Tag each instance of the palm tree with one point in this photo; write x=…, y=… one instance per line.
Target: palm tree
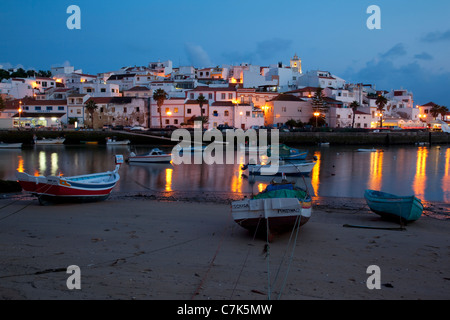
x=201, y=100
x=90, y=108
x=443, y=111
x=435, y=111
x=159, y=95
x=381, y=103
x=354, y=105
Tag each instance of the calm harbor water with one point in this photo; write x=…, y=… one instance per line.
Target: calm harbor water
x=340, y=171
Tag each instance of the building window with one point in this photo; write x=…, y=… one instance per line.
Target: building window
x=175, y=121
x=230, y=96
x=103, y=90
x=223, y=95
x=167, y=110
x=137, y=109
x=283, y=109
x=188, y=111
x=49, y=108
x=192, y=96
x=125, y=109
x=215, y=113
x=167, y=121
x=226, y=113
x=60, y=108
x=247, y=113
x=175, y=110
x=210, y=96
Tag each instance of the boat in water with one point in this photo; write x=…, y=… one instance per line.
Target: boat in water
x=4, y=145
x=154, y=156
x=179, y=148
x=287, y=153
x=81, y=188
x=51, y=141
x=300, y=168
x=114, y=142
x=393, y=207
x=369, y=150
x=281, y=207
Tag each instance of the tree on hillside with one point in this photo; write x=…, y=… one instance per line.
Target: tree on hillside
x=318, y=101
x=381, y=103
x=354, y=105
x=201, y=100
x=2, y=104
x=159, y=95
x=90, y=108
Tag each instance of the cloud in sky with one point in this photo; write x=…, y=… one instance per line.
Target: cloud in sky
x=197, y=56
x=265, y=51
x=396, y=51
x=424, y=56
x=436, y=36
x=382, y=72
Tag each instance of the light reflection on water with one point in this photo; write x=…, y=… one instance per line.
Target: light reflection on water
x=339, y=172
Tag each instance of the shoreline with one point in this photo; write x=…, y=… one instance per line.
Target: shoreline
x=152, y=249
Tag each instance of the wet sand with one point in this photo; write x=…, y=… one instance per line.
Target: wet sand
x=144, y=248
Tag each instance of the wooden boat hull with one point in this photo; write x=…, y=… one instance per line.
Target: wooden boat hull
x=83, y=188
x=277, y=214
x=392, y=207
x=300, y=168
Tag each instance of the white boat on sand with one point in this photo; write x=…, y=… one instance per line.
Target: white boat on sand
x=280, y=208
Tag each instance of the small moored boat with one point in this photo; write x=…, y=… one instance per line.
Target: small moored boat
x=4, y=145
x=279, y=208
x=300, y=168
x=288, y=153
x=114, y=142
x=51, y=141
x=82, y=188
x=368, y=150
x=393, y=207
x=154, y=156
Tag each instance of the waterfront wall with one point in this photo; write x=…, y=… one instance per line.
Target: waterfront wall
x=289, y=138
x=364, y=138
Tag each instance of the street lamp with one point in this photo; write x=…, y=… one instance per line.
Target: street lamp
x=20, y=111
x=381, y=117
x=316, y=114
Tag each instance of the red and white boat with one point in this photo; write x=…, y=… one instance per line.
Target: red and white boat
x=82, y=188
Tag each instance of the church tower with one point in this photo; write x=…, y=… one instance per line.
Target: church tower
x=296, y=64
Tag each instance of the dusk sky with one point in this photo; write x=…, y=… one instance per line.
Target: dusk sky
x=411, y=50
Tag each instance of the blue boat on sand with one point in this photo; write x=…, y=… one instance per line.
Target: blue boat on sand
x=392, y=207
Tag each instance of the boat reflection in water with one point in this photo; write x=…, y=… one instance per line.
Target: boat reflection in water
x=376, y=170
x=420, y=179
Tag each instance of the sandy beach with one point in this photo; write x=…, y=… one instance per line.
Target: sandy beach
x=145, y=248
